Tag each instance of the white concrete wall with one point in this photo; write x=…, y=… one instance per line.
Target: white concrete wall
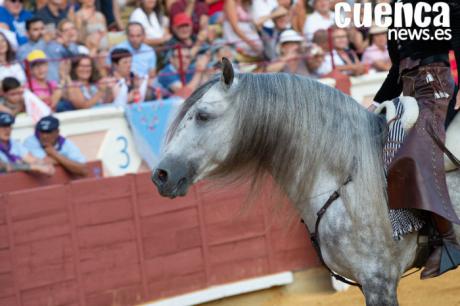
x=101, y=133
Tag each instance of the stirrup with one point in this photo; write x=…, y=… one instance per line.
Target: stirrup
x=450, y=257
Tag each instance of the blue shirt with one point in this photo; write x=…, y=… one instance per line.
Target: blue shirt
x=144, y=58
x=169, y=76
x=28, y=47
x=68, y=149
x=17, y=25
x=48, y=17
x=17, y=149
x=55, y=50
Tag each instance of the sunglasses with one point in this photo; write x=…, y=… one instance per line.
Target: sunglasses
x=16, y=1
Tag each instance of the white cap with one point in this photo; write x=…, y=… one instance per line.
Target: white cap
x=290, y=36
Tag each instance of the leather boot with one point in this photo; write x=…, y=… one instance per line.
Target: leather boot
x=445, y=256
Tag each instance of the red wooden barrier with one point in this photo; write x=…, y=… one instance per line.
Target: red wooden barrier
x=115, y=241
x=21, y=181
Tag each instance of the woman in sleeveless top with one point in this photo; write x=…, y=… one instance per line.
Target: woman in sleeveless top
x=239, y=28
x=86, y=90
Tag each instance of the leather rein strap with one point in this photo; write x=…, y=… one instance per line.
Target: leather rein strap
x=441, y=145
x=315, y=237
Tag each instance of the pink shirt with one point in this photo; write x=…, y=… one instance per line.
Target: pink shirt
x=373, y=53
x=43, y=92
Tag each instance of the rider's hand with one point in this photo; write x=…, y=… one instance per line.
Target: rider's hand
x=372, y=107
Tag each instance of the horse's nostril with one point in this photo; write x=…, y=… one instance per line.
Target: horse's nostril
x=162, y=175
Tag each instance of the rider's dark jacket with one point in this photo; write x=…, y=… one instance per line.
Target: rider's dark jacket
x=419, y=49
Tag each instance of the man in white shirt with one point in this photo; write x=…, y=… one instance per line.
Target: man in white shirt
x=321, y=19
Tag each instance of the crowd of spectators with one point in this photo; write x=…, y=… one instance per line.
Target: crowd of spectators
x=88, y=53
x=79, y=54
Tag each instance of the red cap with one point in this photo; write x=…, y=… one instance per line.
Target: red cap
x=181, y=19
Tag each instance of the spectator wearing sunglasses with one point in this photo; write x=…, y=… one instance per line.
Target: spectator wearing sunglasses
x=13, y=14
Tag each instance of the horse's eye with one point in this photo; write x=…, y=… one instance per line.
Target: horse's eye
x=203, y=117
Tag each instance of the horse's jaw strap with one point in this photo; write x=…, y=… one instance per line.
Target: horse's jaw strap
x=314, y=237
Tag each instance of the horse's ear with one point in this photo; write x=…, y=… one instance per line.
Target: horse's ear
x=227, y=73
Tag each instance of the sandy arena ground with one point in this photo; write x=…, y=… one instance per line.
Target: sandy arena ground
x=312, y=288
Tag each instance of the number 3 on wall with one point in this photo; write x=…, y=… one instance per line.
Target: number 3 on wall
x=124, y=151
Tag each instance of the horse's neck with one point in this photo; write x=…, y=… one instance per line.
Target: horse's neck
x=346, y=207
x=323, y=187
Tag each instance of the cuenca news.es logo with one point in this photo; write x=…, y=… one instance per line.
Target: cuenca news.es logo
x=403, y=17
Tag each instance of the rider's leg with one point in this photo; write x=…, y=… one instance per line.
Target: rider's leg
x=444, y=257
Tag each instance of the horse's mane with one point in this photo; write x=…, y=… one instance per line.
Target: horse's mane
x=291, y=126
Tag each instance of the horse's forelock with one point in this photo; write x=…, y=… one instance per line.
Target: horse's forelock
x=188, y=104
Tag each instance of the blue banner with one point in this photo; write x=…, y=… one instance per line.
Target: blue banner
x=149, y=123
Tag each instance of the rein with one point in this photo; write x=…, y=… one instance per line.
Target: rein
x=314, y=237
x=443, y=148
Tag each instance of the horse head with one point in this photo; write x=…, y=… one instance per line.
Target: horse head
x=192, y=149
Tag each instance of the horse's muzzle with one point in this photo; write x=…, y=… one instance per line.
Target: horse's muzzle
x=172, y=177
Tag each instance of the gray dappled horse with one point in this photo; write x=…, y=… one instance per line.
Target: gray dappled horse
x=310, y=138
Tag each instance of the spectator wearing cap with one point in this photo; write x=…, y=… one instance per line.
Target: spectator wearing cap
x=47, y=144
x=13, y=155
x=144, y=57
x=13, y=14
x=321, y=18
x=291, y=59
x=196, y=10
x=48, y=91
x=8, y=64
x=52, y=12
x=183, y=36
x=123, y=76
x=186, y=78
x=13, y=92
x=155, y=23
x=377, y=55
